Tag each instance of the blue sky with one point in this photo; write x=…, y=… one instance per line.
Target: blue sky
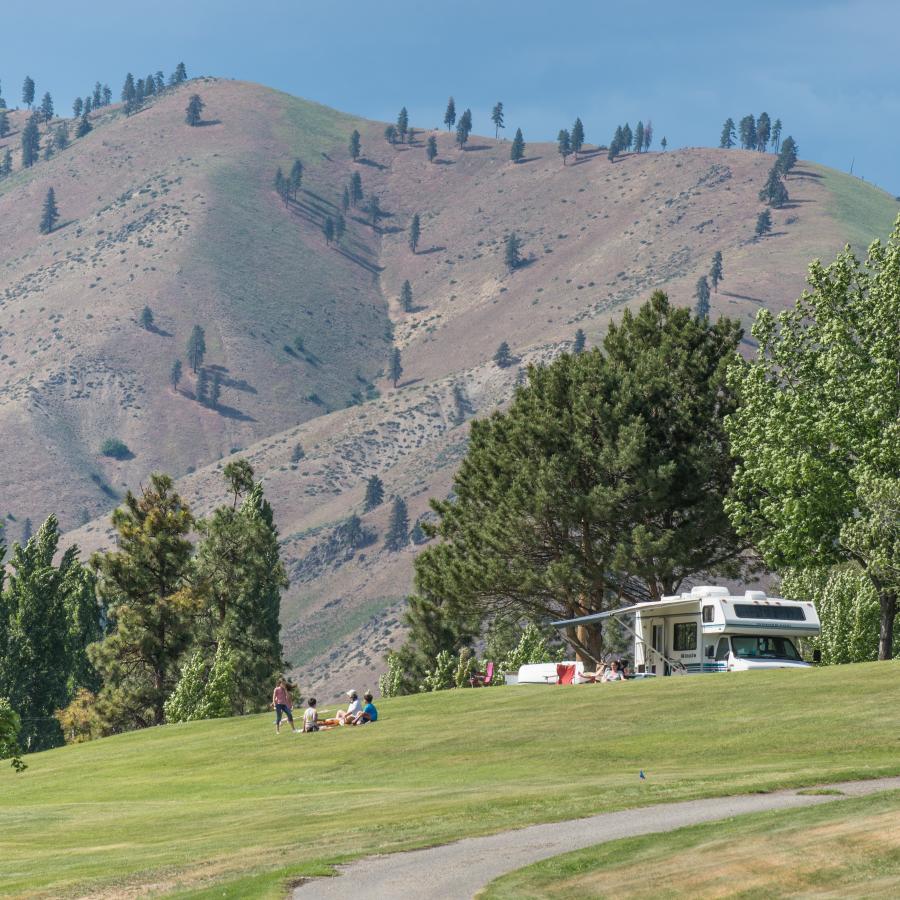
x=829, y=70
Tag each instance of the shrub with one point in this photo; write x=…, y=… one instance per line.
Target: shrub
x=443, y=676
x=532, y=648
x=79, y=720
x=115, y=448
x=390, y=683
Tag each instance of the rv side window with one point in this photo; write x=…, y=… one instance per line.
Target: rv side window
x=784, y=613
x=685, y=636
x=722, y=649
x=708, y=613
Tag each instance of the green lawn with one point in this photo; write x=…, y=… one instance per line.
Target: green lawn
x=849, y=848
x=186, y=806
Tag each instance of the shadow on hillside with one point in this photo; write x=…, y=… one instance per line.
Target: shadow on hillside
x=203, y=123
x=474, y=148
x=62, y=225
x=371, y=162
x=229, y=412
x=161, y=332
x=238, y=384
x=433, y=249
x=320, y=198
x=793, y=204
x=741, y=297
x=368, y=265
x=444, y=162
x=528, y=159
x=408, y=382
x=805, y=173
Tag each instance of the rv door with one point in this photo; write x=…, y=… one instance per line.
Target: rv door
x=658, y=664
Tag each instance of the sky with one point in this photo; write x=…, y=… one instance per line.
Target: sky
x=829, y=70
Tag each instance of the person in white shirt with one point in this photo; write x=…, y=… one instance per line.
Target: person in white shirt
x=612, y=673
x=346, y=716
x=311, y=716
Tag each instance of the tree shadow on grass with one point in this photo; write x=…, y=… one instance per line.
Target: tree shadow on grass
x=161, y=332
x=371, y=162
x=528, y=159
x=368, y=265
x=432, y=249
x=474, y=148
x=205, y=123
x=62, y=225
x=741, y=297
x=229, y=412
x=444, y=162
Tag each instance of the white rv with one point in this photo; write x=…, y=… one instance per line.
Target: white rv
x=709, y=630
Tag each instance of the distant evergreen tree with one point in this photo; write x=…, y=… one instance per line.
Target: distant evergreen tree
x=193, y=111
x=88, y=106
x=787, y=158
x=175, y=374
x=776, y=135
x=747, y=131
x=639, y=137
x=160, y=82
x=450, y=114
x=763, y=223
x=202, y=388
x=664, y=143
x=180, y=74
x=563, y=144
x=517, y=150
x=31, y=142
x=354, y=145
x=410, y=135
x=28, y=91
x=296, y=177
x=627, y=137
x=47, y=107
x=84, y=126
x=763, y=131
x=402, y=124
x=61, y=136
x=729, y=136
x=6, y=165
x=107, y=95
x=49, y=214
x=648, y=135
x=395, y=367
x=502, y=357
x=577, y=137
x=196, y=348
x=406, y=296
x=701, y=294
x=431, y=148
x=397, y=536
x=615, y=148
x=462, y=135
x=345, y=199
x=374, y=493
x=97, y=95
x=390, y=134
x=512, y=255
x=415, y=232
x=48, y=149
x=774, y=192
x=579, y=342
x=340, y=227
x=149, y=87
x=497, y=118
x=716, y=272
x=328, y=230
x=129, y=94
x=356, y=188
x=4, y=123
x=147, y=318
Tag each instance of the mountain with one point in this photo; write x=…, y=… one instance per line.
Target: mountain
x=186, y=221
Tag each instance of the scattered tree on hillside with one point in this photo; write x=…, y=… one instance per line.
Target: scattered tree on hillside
x=462, y=135
x=763, y=131
x=61, y=136
x=579, y=342
x=356, y=188
x=497, y=118
x=374, y=493
x=354, y=145
x=787, y=158
x=107, y=95
x=328, y=230
x=747, y=130
x=77, y=107
x=4, y=123
x=175, y=375
x=84, y=126
x=563, y=144
x=397, y=536
x=774, y=192
x=196, y=348
x=281, y=186
x=28, y=91
x=503, y=358
x=431, y=148
x=49, y=213
x=615, y=145
x=296, y=177
x=88, y=105
x=716, y=272
x=193, y=110
x=47, y=107
x=6, y=165
x=701, y=294
x=403, y=124
x=340, y=227
x=664, y=143
x=31, y=142
x=763, y=223
x=49, y=148
x=180, y=74
x=410, y=135
x=390, y=134
x=450, y=114
x=648, y=135
x=639, y=137
x=395, y=367
x=517, y=150
x=415, y=231
x=129, y=94
x=374, y=209
x=729, y=135
x=627, y=137
x=577, y=137
x=512, y=255
x=406, y=297
x=97, y=95
x=345, y=199
x=776, y=135
x=817, y=432
x=147, y=318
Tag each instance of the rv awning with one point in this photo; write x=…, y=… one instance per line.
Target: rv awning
x=677, y=607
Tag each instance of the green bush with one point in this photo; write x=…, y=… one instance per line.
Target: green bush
x=9, y=735
x=115, y=448
x=390, y=683
x=532, y=648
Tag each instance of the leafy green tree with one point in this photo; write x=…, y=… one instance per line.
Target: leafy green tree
x=406, y=296
x=374, y=493
x=296, y=177
x=517, y=150
x=402, y=124
x=450, y=114
x=563, y=144
x=395, y=367
x=579, y=342
x=84, y=126
x=716, y=272
x=397, y=536
x=196, y=348
x=180, y=74
x=340, y=227
x=776, y=135
x=31, y=143
x=28, y=91
x=61, y=136
x=47, y=107
x=143, y=584
x=328, y=230
x=774, y=192
x=147, y=318
x=497, y=118
x=787, y=158
x=390, y=134
x=512, y=253
x=747, y=130
x=355, y=149
x=431, y=148
x=4, y=123
x=763, y=131
x=192, y=114
x=10, y=726
x=49, y=213
x=415, y=232
x=818, y=432
x=175, y=375
x=502, y=356
x=763, y=223
x=183, y=704
x=577, y=137
x=701, y=294
x=639, y=137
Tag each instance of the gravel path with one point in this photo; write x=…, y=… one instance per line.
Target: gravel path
x=458, y=871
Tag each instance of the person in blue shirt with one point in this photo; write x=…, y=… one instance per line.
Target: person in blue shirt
x=369, y=713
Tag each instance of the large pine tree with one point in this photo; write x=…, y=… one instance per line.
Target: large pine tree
x=49, y=213
x=728, y=137
x=577, y=137
x=395, y=366
x=702, y=296
x=28, y=91
x=563, y=144
x=196, y=348
x=450, y=114
x=517, y=150
x=512, y=255
x=716, y=272
x=355, y=149
x=406, y=297
x=397, y=536
x=374, y=493
x=431, y=148
x=31, y=142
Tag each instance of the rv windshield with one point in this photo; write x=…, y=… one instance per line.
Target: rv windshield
x=765, y=647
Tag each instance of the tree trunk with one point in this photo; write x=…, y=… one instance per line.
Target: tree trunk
x=590, y=637
x=888, y=601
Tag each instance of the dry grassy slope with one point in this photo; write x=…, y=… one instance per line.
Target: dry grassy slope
x=184, y=220
x=624, y=229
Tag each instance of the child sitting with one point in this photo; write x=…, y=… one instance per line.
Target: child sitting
x=311, y=716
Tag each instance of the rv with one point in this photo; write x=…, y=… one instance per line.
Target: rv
x=710, y=630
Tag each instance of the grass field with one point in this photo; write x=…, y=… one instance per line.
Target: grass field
x=183, y=808
x=849, y=848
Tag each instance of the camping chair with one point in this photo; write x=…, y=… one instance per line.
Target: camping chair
x=565, y=674
x=482, y=679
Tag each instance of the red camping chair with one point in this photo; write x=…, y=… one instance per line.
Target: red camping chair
x=565, y=674
x=482, y=679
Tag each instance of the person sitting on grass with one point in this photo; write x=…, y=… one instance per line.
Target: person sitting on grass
x=369, y=713
x=594, y=677
x=347, y=716
x=311, y=717
x=281, y=701
x=613, y=673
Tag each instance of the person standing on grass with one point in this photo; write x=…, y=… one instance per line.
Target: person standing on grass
x=281, y=700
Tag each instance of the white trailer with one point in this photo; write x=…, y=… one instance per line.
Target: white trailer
x=710, y=630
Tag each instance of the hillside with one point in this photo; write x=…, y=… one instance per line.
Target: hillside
x=202, y=805
x=257, y=274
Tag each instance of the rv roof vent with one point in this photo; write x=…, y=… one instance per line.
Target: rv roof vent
x=755, y=595
x=708, y=590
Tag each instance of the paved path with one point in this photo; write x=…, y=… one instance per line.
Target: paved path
x=458, y=871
